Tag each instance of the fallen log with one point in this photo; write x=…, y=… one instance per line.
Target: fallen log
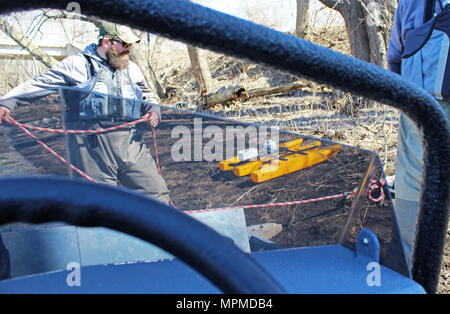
x=236, y=92
x=224, y=95
x=257, y=92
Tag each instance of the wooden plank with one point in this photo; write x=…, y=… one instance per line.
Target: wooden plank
x=15, y=51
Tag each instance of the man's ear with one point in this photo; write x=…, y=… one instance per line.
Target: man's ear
x=104, y=42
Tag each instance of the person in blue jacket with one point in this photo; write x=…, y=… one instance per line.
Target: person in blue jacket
x=418, y=51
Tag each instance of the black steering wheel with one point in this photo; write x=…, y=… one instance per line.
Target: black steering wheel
x=45, y=199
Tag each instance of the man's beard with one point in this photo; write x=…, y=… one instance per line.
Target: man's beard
x=119, y=62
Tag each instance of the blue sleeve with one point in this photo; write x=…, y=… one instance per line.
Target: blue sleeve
x=395, y=48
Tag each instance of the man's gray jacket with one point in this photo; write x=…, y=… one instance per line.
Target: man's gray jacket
x=72, y=71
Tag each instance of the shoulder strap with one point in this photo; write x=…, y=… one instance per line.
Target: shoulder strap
x=89, y=67
x=429, y=10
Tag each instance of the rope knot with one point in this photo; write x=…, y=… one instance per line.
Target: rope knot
x=376, y=190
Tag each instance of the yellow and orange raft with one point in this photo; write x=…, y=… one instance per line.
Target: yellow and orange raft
x=292, y=156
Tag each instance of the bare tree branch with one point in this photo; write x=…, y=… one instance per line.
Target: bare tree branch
x=27, y=44
x=332, y=4
x=70, y=16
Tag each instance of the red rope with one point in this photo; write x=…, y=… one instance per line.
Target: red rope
x=274, y=204
x=32, y=127
x=84, y=175
x=24, y=127
x=375, y=184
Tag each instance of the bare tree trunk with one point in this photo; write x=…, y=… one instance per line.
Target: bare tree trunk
x=377, y=16
x=353, y=16
x=155, y=52
x=302, y=20
x=138, y=57
x=27, y=44
x=367, y=23
x=201, y=70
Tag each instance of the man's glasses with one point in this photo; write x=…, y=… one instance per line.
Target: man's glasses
x=124, y=44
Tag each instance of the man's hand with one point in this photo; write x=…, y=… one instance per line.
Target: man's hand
x=4, y=114
x=152, y=119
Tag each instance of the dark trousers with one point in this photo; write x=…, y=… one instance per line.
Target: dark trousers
x=117, y=158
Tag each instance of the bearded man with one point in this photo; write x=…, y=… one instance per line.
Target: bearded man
x=101, y=88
